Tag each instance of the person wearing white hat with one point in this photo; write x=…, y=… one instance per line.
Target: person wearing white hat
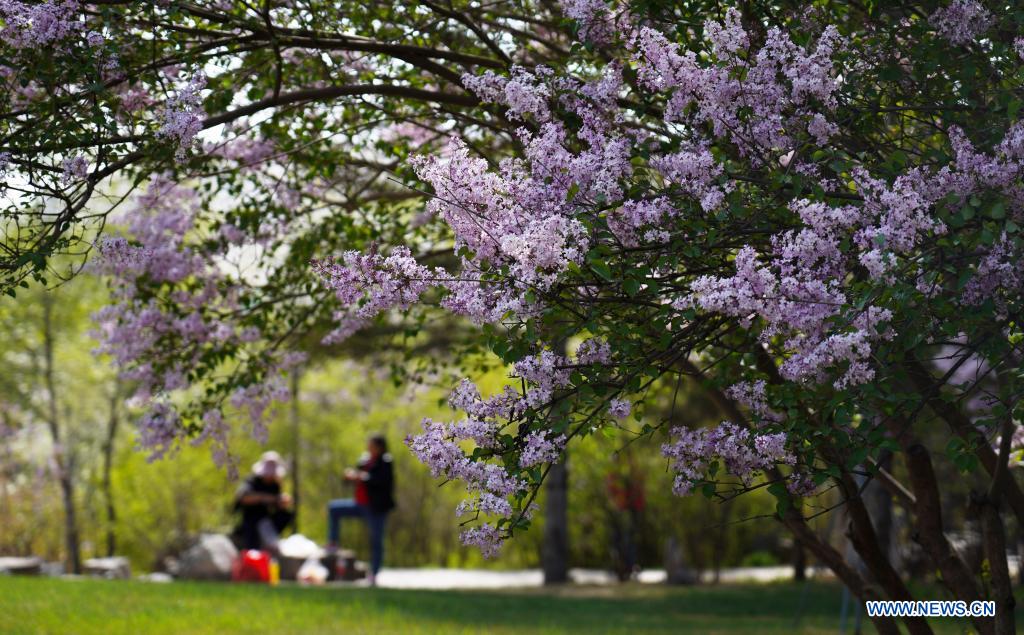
x=266, y=510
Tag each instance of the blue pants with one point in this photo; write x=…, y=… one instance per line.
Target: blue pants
x=348, y=508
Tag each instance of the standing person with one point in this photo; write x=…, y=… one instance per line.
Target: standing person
x=266, y=510
x=374, y=498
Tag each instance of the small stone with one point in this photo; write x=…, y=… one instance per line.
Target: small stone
x=113, y=568
x=30, y=565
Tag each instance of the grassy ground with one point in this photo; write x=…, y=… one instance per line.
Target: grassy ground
x=83, y=607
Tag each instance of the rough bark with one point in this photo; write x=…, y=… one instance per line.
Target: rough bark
x=865, y=540
x=828, y=555
x=961, y=425
x=956, y=576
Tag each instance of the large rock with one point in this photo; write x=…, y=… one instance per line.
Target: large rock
x=115, y=568
x=210, y=558
x=21, y=566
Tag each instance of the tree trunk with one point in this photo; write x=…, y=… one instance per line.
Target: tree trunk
x=995, y=536
x=799, y=561
x=878, y=501
x=930, y=534
x=835, y=561
x=62, y=457
x=296, y=446
x=865, y=540
x=555, y=550
x=720, y=538
x=1020, y=556
x=108, y=464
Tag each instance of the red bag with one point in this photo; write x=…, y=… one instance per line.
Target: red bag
x=252, y=565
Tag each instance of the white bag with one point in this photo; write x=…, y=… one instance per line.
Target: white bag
x=312, y=572
x=298, y=546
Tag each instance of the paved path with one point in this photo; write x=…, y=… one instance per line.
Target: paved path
x=528, y=578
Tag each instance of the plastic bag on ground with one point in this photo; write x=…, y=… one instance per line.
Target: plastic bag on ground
x=312, y=572
x=298, y=546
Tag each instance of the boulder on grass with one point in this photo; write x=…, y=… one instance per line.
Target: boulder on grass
x=114, y=568
x=210, y=558
x=30, y=565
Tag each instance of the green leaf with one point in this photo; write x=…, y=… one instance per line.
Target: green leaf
x=602, y=269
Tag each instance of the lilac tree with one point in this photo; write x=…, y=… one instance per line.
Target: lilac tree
x=811, y=211
x=805, y=211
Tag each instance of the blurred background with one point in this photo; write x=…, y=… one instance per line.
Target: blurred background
x=69, y=462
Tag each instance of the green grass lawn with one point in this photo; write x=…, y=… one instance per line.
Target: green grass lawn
x=82, y=607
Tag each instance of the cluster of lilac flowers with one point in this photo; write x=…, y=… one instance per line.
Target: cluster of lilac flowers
x=753, y=395
x=594, y=19
x=521, y=92
x=490, y=486
x=743, y=453
x=38, y=24
x=999, y=272
x=546, y=372
x=155, y=343
x=961, y=21
x=369, y=284
x=797, y=290
x=183, y=115
x=446, y=448
x=801, y=484
x=541, y=448
x=76, y=167
x=594, y=351
x=619, y=408
x=742, y=97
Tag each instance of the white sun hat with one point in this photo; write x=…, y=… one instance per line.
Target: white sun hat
x=268, y=459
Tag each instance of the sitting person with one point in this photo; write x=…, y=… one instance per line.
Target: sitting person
x=374, y=481
x=266, y=511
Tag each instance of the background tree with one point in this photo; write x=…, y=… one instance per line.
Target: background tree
x=49, y=382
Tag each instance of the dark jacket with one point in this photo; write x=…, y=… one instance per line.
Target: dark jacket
x=380, y=483
x=246, y=533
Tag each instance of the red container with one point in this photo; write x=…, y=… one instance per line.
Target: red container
x=251, y=565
